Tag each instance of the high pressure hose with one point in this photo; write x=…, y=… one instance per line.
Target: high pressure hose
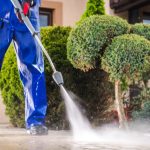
x=57, y=76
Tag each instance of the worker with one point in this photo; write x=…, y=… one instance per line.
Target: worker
x=29, y=60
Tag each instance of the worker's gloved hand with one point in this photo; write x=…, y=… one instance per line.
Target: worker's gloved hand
x=26, y=5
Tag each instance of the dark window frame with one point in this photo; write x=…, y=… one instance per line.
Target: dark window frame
x=145, y=16
x=49, y=13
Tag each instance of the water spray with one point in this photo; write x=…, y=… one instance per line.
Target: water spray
x=57, y=76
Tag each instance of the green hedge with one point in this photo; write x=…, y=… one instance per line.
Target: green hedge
x=93, y=87
x=89, y=38
x=54, y=40
x=141, y=29
x=127, y=58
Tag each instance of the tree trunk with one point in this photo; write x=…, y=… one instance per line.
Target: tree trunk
x=119, y=106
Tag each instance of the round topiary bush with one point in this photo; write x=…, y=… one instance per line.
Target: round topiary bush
x=127, y=57
x=89, y=38
x=141, y=29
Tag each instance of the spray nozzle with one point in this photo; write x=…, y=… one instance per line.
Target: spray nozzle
x=58, y=78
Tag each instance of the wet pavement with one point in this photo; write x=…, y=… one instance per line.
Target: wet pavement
x=18, y=139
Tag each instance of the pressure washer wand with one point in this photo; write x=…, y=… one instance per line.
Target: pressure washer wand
x=57, y=76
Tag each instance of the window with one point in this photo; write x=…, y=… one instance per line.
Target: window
x=46, y=17
x=146, y=18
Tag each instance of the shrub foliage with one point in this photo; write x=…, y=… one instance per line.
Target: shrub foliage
x=89, y=38
x=140, y=105
x=141, y=29
x=127, y=58
x=144, y=113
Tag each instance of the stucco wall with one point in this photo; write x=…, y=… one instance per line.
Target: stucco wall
x=71, y=10
x=108, y=9
x=3, y=118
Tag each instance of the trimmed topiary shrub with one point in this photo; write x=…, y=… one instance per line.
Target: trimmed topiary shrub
x=141, y=29
x=127, y=58
x=87, y=41
x=94, y=7
x=54, y=40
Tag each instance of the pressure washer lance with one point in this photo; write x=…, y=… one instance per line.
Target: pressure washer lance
x=57, y=76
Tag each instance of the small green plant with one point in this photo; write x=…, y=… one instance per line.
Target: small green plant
x=88, y=40
x=94, y=7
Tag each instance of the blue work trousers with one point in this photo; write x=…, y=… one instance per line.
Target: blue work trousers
x=29, y=60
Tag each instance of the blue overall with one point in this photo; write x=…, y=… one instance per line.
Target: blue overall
x=29, y=59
